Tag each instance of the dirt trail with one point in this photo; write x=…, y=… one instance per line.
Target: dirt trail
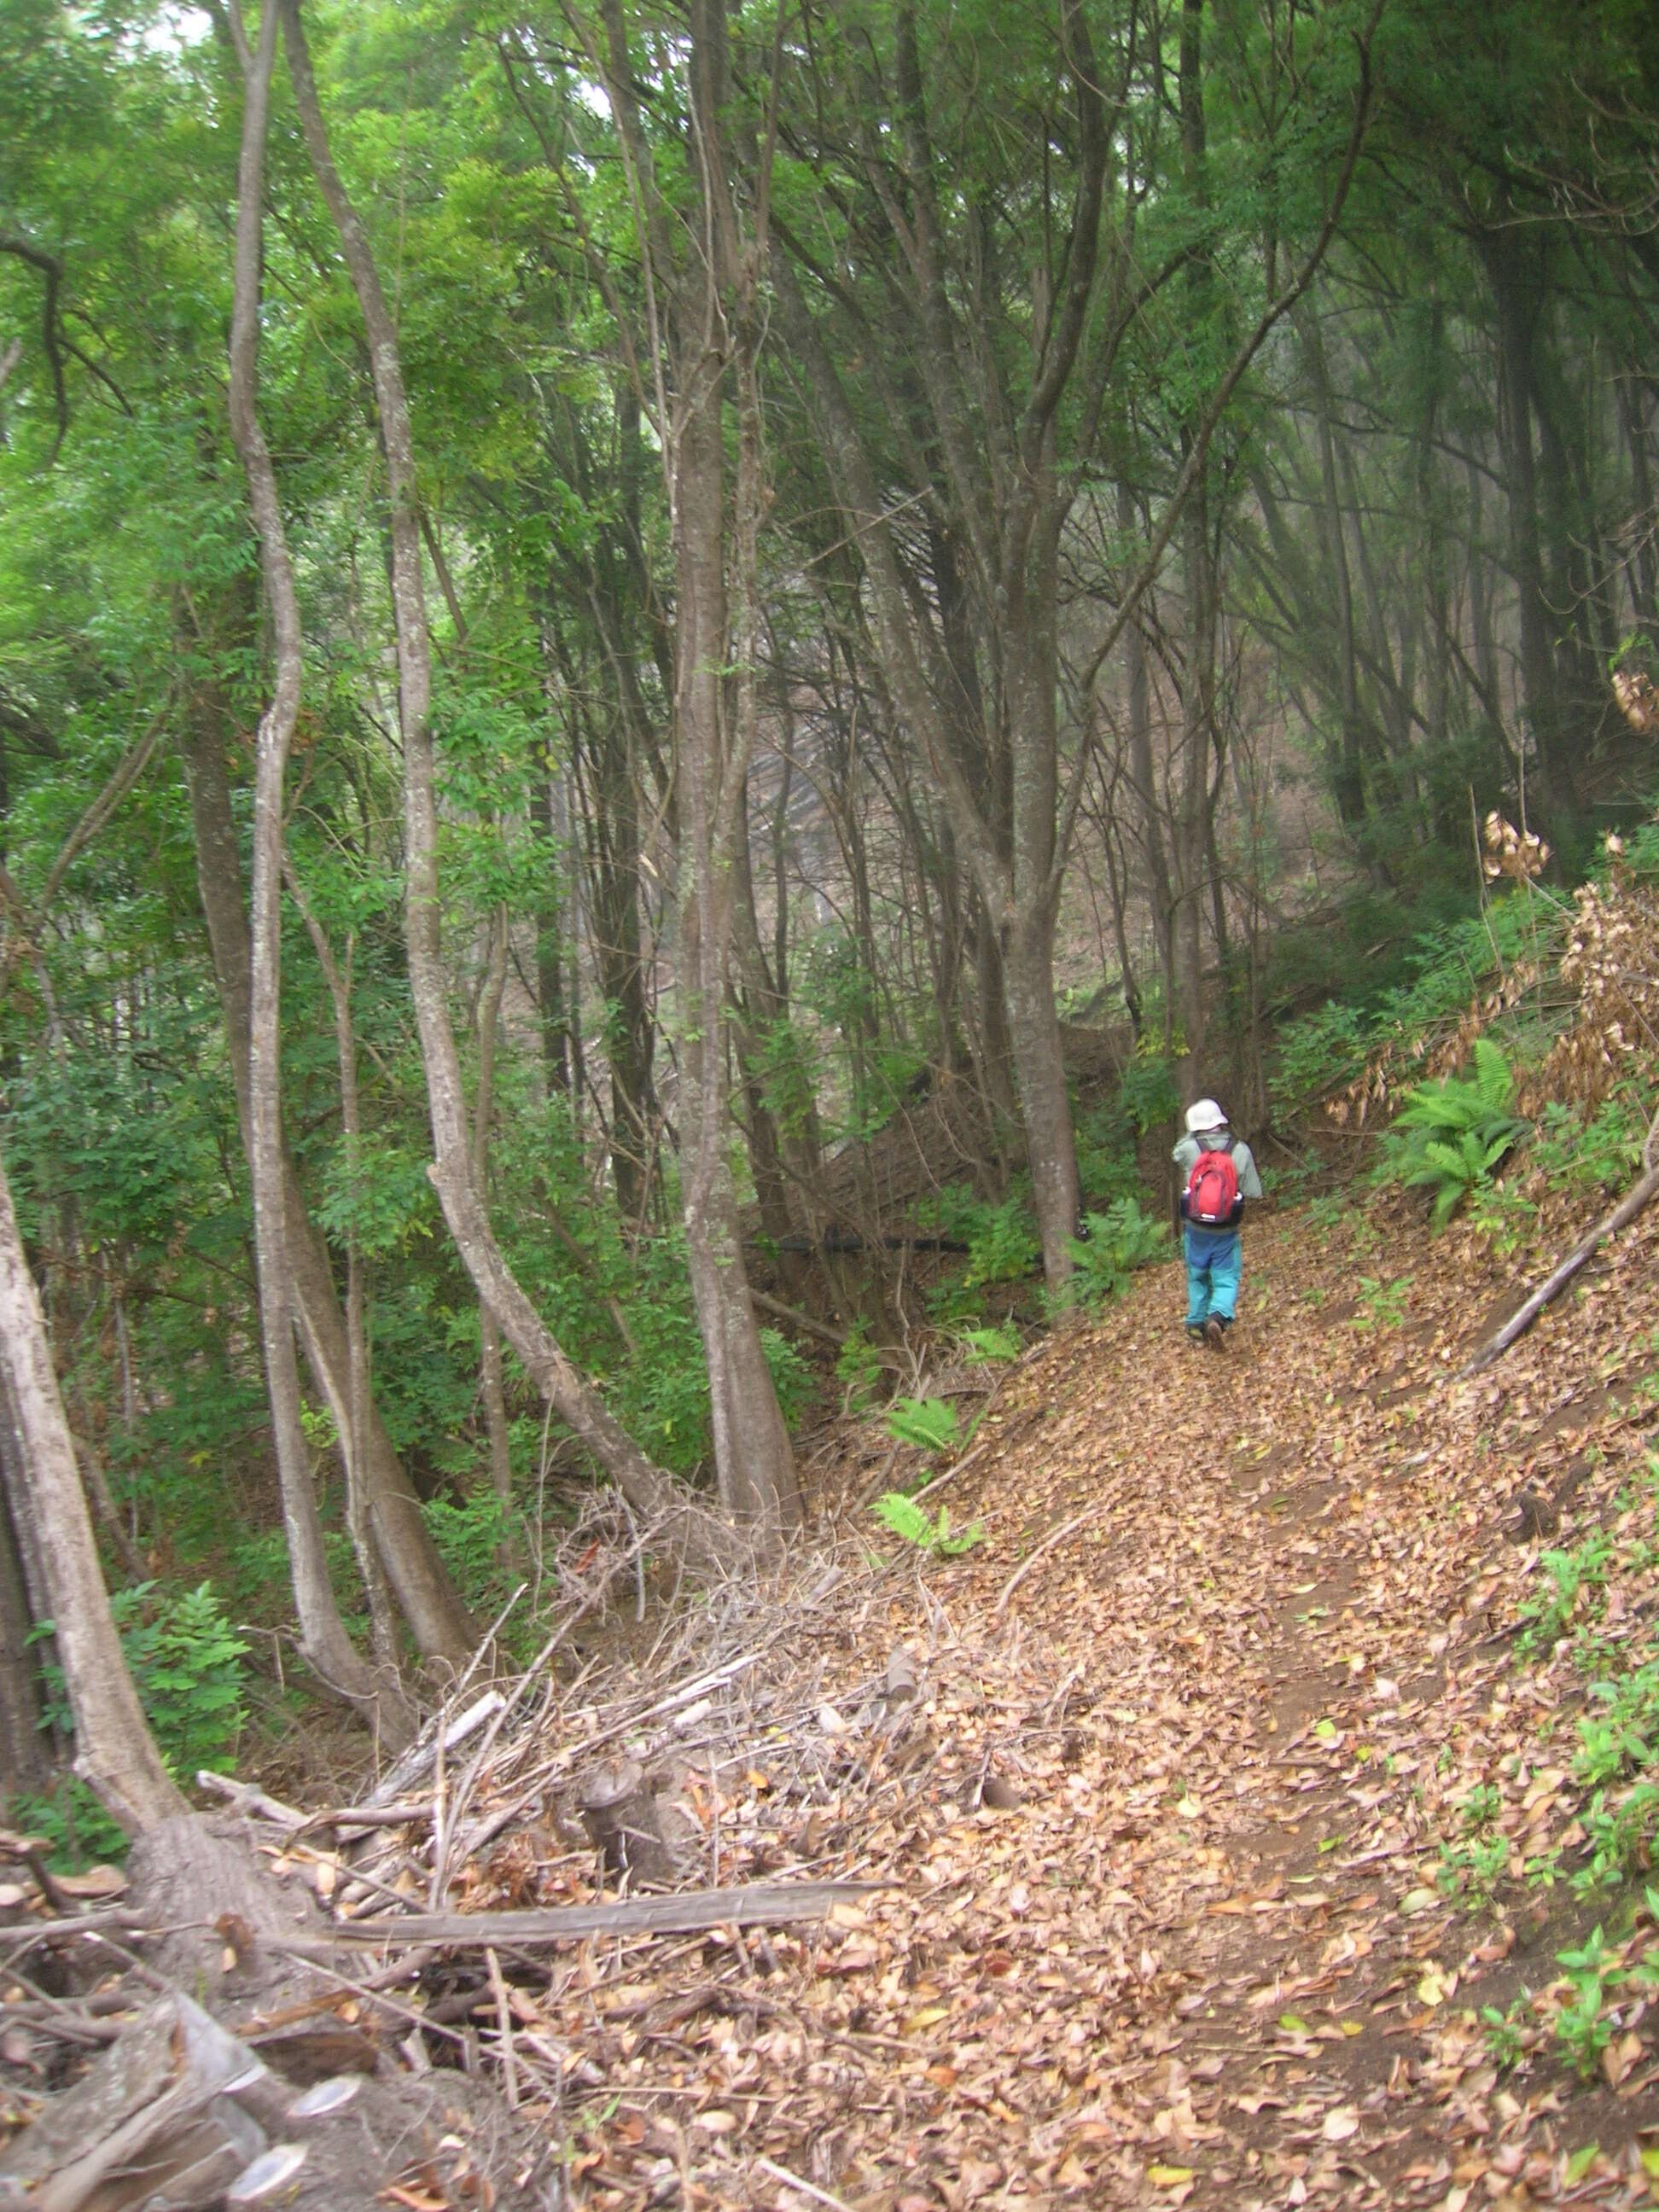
x=1199, y=1955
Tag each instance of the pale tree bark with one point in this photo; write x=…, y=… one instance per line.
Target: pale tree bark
x=323, y=1639
x=115, y=1752
x=676, y=1518
x=483, y=1108
x=753, y=1464
x=25, y=1745
x=355, y=1443
x=439, y=1622
x=703, y=334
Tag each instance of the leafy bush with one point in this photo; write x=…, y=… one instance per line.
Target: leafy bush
x=1600, y=1154
x=928, y=1423
x=186, y=1664
x=1147, y=1096
x=1003, y=1245
x=1327, y=1049
x=472, y=1534
x=76, y=1829
x=858, y=1368
x=1120, y=1240
x=1449, y=1135
x=186, y=1661
x=791, y=1377
x=980, y=1346
x=907, y=1521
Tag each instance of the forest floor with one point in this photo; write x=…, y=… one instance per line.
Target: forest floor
x=1196, y=1725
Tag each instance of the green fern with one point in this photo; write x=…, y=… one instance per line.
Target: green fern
x=1450, y=1136
x=928, y=1423
x=908, y=1521
x=982, y=1345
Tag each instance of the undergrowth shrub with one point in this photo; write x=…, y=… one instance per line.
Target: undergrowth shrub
x=472, y=1534
x=857, y=1369
x=913, y=1525
x=185, y=1660
x=1119, y=1241
x=1449, y=1135
x=1324, y=1051
x=930, y=1423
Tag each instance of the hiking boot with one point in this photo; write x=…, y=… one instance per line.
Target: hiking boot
x=1194, y=1332
x=1215, y=1334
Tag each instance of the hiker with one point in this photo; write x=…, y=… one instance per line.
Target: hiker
x=1219, y=1174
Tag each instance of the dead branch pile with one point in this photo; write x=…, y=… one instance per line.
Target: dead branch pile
x=439, y=1960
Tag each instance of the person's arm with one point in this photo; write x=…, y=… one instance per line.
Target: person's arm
x=1249, y=1182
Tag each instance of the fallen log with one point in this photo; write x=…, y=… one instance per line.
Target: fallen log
x=1640, y=1195
x=682, y=1913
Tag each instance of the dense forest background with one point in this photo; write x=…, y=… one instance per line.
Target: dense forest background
x=669, y=676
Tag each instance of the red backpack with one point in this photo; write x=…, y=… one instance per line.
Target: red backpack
x=1211, y=1198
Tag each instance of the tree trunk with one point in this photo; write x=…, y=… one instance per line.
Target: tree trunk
x=322, y=1634
x=25, y=1747
x=1540, y=683
x=489, y=1342
x=358, y=1519
x=754, y=1466
x=115, y=1753
x=1028, y=969
x=675, y=1517
x=441, y=1627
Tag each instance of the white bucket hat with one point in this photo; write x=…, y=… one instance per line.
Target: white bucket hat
x=1203, y=1116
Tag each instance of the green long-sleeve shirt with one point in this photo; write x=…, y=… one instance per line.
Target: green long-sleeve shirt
x=1249, y=1182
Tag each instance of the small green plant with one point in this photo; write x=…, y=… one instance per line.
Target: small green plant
x=983, y=1346
x=1506, y=2031
x=857, y=1369
x=186, y=1661
x=1119, y=1241
x=1481, y=1807
x=1472, y=1871
x=1571, y=1575
x=793, y=1379
x=74, y=1828
x=1619, y=1734
x=1448, y=1136
x=1598, y=1154
x=1504, y=1217
x=1002, y=1245
x=913, y=1525
x=1381, y=1305
x=930, y=1423
x=1618, y=1832
x=1581, y=2027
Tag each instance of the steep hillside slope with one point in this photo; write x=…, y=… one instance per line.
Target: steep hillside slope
x=1235, y=1657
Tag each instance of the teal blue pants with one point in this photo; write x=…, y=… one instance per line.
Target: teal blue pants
x=1215, y=1262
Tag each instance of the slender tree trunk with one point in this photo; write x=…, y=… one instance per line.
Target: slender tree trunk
x=115, y=1753
x=1642, y=563
x=653, y=1495
x=441, y=1627
x=549, y=942
x=358, y=1512
x=489, y=1353
x=1540, y=685
x=1143, y=777
x=754, y=1466
x=322, y=1633
x=25, y=1745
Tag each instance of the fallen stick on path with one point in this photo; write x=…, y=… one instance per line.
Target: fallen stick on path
x=1635, y=1201
x=1041, y=1551
x=682, y=1913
